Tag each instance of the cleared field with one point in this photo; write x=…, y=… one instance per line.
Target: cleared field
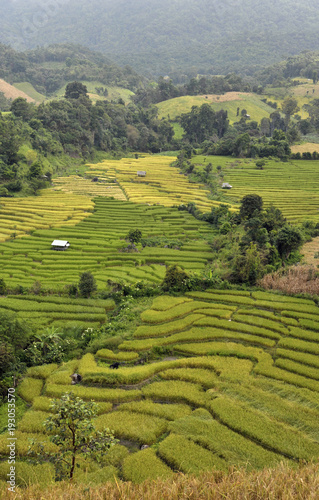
x=242, y=391
x=114, y=93
x=12, y=92
x=305, y=148
x=28, y=89
x=97, y=242
x=229, y=101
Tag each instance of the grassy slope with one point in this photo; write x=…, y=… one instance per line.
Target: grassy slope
x=252, y=103
x=28, y=89
x=114, y=93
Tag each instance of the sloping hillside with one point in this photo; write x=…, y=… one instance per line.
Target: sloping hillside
x=162, y=36
x=12, y=92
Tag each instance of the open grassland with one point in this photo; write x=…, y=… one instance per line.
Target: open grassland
x=162, y=185
x=114, y=93
x=239, y=386
x=98, y=243
x=20, y=216
x=291, y=186
x=28, y=89
x=305, y=148
x=229, y=102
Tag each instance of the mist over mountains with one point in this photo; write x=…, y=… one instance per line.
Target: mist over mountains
x=167, y=36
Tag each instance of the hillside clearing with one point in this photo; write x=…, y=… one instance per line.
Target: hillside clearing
x=12, y=92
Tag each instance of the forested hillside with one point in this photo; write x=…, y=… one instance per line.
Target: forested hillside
x=168, y=36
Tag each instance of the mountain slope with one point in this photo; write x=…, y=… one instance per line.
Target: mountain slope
x=164, y=35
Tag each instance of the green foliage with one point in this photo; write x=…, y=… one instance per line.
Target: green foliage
x=134, y=236
x=74, y=434
x=168, y=411
x=87, y=284
x=74, y=90
x=250, y=204
x=41, y=475
x=174, y=279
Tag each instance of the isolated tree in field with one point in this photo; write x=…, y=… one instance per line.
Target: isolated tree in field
x=87, y=284
x=174, y=278
x=289, y=108
x=74, y=90
x=73, y=432
x=134, y=236
x=249, y=205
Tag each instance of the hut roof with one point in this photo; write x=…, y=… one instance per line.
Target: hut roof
x=60, y=243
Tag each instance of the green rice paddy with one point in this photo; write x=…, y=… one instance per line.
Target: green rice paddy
x=243, y=391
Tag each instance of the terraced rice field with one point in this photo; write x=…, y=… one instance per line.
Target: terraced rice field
x=56, y=312
x=97, y=244
x=80, y=185
x=291, y=186
x=240, y=386
x=20, y=216
x=162, y=185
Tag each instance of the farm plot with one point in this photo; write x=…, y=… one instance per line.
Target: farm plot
x=98, y=245
x=291, y=186
x=162, y=184
x=240, y=385
x=79, y=185
x=20, y=216
x=58, y=311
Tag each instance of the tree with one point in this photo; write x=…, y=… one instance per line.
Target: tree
x=174, y=278
x=288, y=239
x=22, y=109
x=249, y=205
x=289, y=107
x=74, y=90
x=74, y=434
x=87, y=284
x=134, y=236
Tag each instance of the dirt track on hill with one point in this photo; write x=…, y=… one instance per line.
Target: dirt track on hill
x=11, y=92
x=229, y=96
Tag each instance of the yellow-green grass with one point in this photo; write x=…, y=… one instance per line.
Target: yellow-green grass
x=230, y=445
x=277, y=436
x=114, y=93
x=19, y=216
x=185, y=455
x=291, y=186
x=229, y=102
x=305, y=148
x=145, y=429
x=162, y=185
x=144, y=465
x=28, y=89
x=82, y=186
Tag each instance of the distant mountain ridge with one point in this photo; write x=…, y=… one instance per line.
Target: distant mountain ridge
x=162, y=36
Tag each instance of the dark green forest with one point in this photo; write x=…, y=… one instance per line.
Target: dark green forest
x=169, y=37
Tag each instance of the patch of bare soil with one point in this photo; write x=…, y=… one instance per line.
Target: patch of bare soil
x=11, y=92
x=229, y=96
